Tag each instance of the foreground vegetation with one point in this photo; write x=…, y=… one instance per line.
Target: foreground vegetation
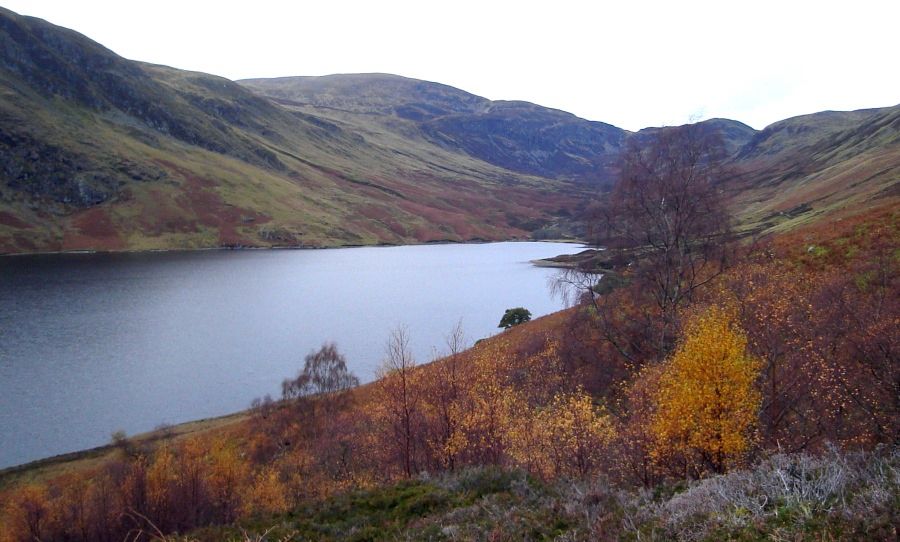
x=834, y=496
x=720, y=390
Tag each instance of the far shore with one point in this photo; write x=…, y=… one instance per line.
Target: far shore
x=285, y=247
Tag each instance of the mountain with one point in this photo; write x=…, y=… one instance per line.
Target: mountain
x=98, y=152
x=519, y=136
x=734, y=134
x=801, y=131
x=805, y=168
x=374, y=93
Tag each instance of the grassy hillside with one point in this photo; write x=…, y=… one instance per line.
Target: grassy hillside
x=517, y=136
x=830, y=164
x=104, y=153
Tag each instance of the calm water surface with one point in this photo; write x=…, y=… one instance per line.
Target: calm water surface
x=94, y=343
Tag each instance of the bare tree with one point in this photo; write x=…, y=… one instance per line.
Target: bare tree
x=318, y=394
x=447, y=385
x=324, y=372
x=667, y=214
x=400, y=396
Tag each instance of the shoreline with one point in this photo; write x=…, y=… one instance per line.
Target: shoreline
x=282, y=247
x=101, y=449
x=9, y=474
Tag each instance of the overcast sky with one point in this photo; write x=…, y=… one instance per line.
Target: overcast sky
x=630, y=63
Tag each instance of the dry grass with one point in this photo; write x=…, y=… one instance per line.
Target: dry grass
x=835, y=496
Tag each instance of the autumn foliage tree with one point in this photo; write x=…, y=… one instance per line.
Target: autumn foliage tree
x=667, y=213
x=569, y=436
x=707, y=402
x=488, y=407
x=773, y=308
x=635, y=441
x=443, y=385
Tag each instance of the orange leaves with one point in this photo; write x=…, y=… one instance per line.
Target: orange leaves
x=513, y=409
x=487, y=407
x=491, y=405
x=707, y=401
x=27, y=513
x=398, y=410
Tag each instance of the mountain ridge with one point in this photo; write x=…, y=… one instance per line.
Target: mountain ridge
x=513, y=134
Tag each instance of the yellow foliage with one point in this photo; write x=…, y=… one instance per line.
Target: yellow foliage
x=707, y=401
x=267, y=495
x=161, y=477
x=490, y=406
x=228, y=472
x=567, y=437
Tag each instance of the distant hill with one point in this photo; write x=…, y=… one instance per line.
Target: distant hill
x=735, y=135
x=804, y=168
x=371, y=93
x=519, y=136
x=797, y=132
x=98, y=152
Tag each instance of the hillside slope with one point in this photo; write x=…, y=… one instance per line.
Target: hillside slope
x=100, y=152
x=805, y=168
x=519, y=136
x=792, y=172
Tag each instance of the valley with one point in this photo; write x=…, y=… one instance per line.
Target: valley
x=714, y=353
x=107, y=154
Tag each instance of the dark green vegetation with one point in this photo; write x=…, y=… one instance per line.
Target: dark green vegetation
x=103, y=153
x=457, y=507
x=514, y=317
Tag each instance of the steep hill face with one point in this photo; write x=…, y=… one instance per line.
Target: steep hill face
x=99, y=152
x=796, y=132
x=735, y=135
x=532, y=139
x=519, y=136
x=41, y=61
x=804, y=168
